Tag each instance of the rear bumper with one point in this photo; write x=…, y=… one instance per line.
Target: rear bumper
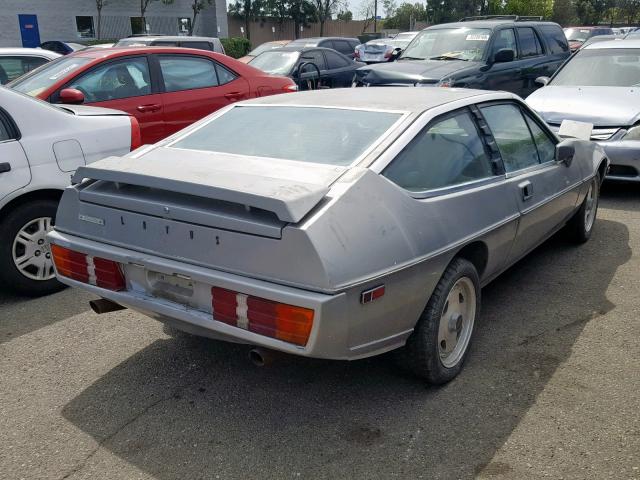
x=329, y=336
x=624, y=157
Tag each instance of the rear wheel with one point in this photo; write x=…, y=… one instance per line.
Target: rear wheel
x=26, y=265
x=581, y=225
x=438, y=346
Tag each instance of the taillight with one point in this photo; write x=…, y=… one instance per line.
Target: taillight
x=356, y=53
x=85, y=268
x=290, y=88
x=285, y=322
x=388, y=53
x=136, y=136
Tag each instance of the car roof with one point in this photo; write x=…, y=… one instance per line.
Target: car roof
x=621, y=43
x=121, y=51
x=39, y=52
x=319, y=39
x=493, y=23
x=413, y=100
x=171, y=38
x=301, y=48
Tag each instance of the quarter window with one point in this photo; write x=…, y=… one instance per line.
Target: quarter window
x=529, y=43
x=224, y=75
x=512, y=135
x=4, y=131
x=120, y=79
x=446, y=153
x=187, y=73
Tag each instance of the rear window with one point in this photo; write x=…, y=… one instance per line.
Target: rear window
x=305, y=134
x=556, y=41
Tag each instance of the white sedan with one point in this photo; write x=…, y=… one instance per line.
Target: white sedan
x=41, y=145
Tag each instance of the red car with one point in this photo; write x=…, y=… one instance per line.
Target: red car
x=165, y=88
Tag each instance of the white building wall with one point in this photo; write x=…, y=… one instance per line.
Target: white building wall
x=56, y=18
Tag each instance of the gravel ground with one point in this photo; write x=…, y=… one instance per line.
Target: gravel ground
x=550, y=388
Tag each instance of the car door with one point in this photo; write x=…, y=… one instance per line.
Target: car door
x=125, y=84
x=339, y=70
x=195, y=86
x=546, y=191
x=506, y=75
x=15, y=172
x=309, y=73
x=534, y=62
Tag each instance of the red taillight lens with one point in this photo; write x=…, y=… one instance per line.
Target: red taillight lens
x=265, y=317
x=136, y=136
x=87, y=269
x=356, y=53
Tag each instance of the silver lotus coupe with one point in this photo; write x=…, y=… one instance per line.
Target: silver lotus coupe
x=336, y=224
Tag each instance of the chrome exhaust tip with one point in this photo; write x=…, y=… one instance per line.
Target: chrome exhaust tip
x=261, y=357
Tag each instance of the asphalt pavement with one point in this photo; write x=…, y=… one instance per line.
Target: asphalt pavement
x=550, y=389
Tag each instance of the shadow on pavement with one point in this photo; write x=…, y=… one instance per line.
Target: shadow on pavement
x=195, y=408
x=16, y=312
x=621, y=196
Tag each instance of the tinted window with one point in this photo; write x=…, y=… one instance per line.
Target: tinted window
x=187, y=73
x=164, y=43
x=546, y=147
x=305, y=134
x=198, y=45
x=447, y=153
x=343, y=47
x=512, y=136
x=529, y=43
x=556, y=41
x=54, y=47
x=224, y=75
x=313, y=56
x=120, y=79
x=335, y=61
x=504, y=39
x=4, y=130
x=13, y=67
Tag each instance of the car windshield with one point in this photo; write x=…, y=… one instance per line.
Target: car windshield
x=275, y=62
x=42, y=78
x=448, y=44
x=331, y=136
x=607, y=67
x=265, y=47
x=577, y=34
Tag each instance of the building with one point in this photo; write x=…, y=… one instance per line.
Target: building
x=31, y=22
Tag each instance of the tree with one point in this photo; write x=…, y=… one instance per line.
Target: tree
x=345, y=15
x=100, y=4
x=303, y=12
x=389, y=7
x=197, y=6
x=144, y=4
x=367, y=13
x=248, y=10
x=629, y=10
x=563, y=12
x=324, y=11
x=406, y=15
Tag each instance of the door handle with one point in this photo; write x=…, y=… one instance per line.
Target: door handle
x=233, y=96
x=154, y=107
x=526, y=189
x=5, y=167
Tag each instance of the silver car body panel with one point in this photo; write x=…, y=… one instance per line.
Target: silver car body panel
x=364, y=231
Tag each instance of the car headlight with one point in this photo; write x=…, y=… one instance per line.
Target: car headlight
x=633, y=133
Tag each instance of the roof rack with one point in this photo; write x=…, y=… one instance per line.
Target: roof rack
x=515, y=18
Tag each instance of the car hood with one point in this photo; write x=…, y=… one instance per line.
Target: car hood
x=601, y=106
x=87, y=111
x=411, y=71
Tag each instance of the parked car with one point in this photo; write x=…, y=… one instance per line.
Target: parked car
x=165, y=88
x=397, y=205
x=344, y=45
x=15, y=62
x=41, y=145
x=599, y=85
x=384, y=49
x=506, y=53
x=310, y=67
x=265, y=47
x=600, y=38
x=62, y=48
x=210, y=44
x=578, y=35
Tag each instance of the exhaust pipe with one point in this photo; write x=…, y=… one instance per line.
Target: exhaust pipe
x=261, y=357
x=102, y=305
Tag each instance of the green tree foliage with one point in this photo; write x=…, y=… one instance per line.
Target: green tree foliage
x=247, y=10
x=236, y=47
x=302, y=12
x=345, y=15
x=405, y=14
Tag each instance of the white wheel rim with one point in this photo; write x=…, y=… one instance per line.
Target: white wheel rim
x=591, y=206
x=31, y=252
x=456, y=322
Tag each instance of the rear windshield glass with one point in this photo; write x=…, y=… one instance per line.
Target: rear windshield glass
x=606, y=67
x=305, y=134
x=42, y=78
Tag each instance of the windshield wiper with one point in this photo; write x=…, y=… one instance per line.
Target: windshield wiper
x=403, y=57
x=448, y=57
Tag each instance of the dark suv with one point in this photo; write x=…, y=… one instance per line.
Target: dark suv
x=344, y=45
x=489, y=53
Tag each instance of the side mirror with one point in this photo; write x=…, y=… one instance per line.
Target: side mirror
x=542, y=81
x=504, y=55
x=71, y=96
x=565, y=152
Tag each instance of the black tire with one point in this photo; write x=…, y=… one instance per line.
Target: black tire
x=580, y=227
x=10, y=276
x=421, y=354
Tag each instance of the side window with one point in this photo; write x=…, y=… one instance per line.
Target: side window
x=529, y=43
x=335, y=61
x=13, y=67
x=197, y=45
x=164, y=43
x=546, y=147
x=314, y=56
x=187, y=73
x=4, y=129
x=343, y=47
x=512, y=136
x=446, y=153
x=124, y=78
x=556, y=40
x=505, y=39
x=224, y=75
